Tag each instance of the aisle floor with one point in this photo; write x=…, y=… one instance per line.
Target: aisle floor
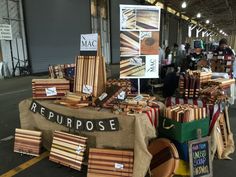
x=12, y=91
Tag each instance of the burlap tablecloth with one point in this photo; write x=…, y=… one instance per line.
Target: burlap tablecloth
x=134, y=133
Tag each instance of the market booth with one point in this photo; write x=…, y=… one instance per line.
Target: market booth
x=83, y=118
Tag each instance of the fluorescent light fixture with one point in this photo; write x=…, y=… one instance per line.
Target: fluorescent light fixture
x=199, y=15
x=207, y=21
x=184, y=5
x=221, y=31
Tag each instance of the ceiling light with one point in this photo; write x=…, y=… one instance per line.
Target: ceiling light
x=221, y=31
x=184, y=5
x=199, y=15
x=207, y=21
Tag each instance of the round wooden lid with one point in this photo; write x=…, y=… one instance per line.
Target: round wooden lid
x=165, y=158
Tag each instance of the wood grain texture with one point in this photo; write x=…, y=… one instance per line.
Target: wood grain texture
x=28, y=142
x=68, y=149
x=105, y=161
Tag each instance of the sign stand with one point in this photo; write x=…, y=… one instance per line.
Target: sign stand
x=138, y=86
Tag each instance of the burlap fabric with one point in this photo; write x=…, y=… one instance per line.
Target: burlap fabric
x=134, y=133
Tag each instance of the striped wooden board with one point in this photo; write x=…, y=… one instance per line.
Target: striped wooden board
x=147, y=19
x=129, y=16
x=90, y=71
x=129, y=43
x=127, y=69
x=109, y=162
x=28, y=142
x=68, y=149
x=39, y=87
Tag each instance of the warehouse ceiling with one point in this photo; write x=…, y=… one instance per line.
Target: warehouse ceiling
x=221, y=13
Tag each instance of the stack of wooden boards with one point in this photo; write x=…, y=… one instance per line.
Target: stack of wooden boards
x=221, y=63
x=28, y=142
x=49, y=88
x=185, y=112
x=189, y=84
x=90, y=75
x=74, y=100
x=124, y=83
x=216, y=89
x=135, y=104
x=110, y=163
x=108, y=99
x=68, y=149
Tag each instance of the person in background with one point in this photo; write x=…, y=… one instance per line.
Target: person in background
x=175, y=53
x=223, y=48
x=193, y=58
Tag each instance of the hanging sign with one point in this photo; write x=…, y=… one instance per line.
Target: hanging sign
x=88, y=44
x=5, y=32
x=199, y=158
x=80, y=124
x=139, y=41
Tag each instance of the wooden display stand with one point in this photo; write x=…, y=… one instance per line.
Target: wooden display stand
x=90, y=73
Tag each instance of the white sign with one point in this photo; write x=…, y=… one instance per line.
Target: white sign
x=5, y=32
x=121, y=95
x=103, y=96
x=139, y=41
x=87, y=89
x=89, y=42
x=119, y=166
x=138, y=98
x=79, y=149
x=51, y=91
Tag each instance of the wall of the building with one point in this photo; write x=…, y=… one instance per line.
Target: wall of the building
x=13, y=52
x=173, y=31
x=53, y=30
x=115, y=28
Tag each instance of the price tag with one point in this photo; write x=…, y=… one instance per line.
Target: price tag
x=51, y=91
x=103, y=96
x=138, y=98
x=119, y=166
x=79, y=149
x=145, y=34
x=121, y=95
x=87, y=89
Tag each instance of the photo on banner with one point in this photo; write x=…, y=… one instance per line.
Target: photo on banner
x=139, y=41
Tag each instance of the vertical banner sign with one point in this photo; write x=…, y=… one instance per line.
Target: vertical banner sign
x=89, y=44
x=199, y=158
x=5, y=32
x=139, y=41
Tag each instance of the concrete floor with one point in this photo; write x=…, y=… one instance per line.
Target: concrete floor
x=12, y=91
